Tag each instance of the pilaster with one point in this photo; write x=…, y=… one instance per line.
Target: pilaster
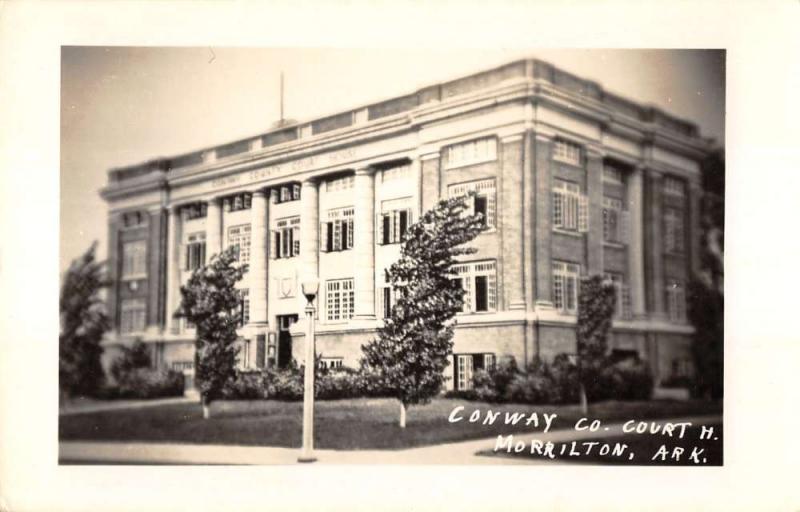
x=655, y=247
x=213, y=228
x=257, y=271
x=173, y=269
x=511, y=208
x=636, y=242
x=594, y=190
x=543, y=220
x=364, y=244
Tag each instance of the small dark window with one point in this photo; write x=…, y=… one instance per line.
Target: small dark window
x=387, y=302
x=481, y=293
x=387, y=229
x=480, y=207
x=403, y=223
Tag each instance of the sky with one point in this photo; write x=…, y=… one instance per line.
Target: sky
x=126, y=105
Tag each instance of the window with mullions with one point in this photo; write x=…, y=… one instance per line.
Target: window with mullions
x=134, y=219
x=132, y=316
x=393, y=221
x=286, y=193
x=616, y=221
x=239, y=237
x=134, y=260
x=244, y=307
x=339, y=184
x=676, y=301
x=336, y=234
x=195, y=251
x=472, y=152
x=674, y=186
x=673, y=230
x=479, y=282
x=330, y=363
x=339, y=299
x=622, y=309
x=570, y=207
x=396, y=173
x=565, y=286
x=567, y=152
x=612, y=174
x=467, y=364
x=286, y=238
x=242, y=201
x=194, y=211
x=484, y=201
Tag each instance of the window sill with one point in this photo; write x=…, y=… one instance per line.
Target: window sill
x=617, y=245
x=135, y=277
x=576, y=165
x=576, y=234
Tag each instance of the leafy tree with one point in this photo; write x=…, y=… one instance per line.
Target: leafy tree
x=411, y=350
x=83, y=323
x=706, y=300
x=596, y=303
x=211, y=302
x=131, y=358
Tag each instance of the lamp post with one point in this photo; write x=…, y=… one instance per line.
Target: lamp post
x=310, y=289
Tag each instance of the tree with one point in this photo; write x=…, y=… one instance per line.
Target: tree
x=412, y=348
x=596, y=302
x=83, y=323
x=211, y=302
x=706, y=300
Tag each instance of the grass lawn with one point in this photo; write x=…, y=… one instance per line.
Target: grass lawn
x=644, y=446
x=339, y=424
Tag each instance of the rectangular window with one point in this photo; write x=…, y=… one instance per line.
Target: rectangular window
x=674, y=186
x=673, y=230
x=612, y=174
x=243, y=201
x=396, y=173
x=337, y=233
x=466, y=366
x=479, y=282
x=676, y=302
x=134, y=219
x=284, y=193
x=194, y=211
x=565, y=286
x=567, y=152
x=286, y=238
x=244, y=307
x=472, y=152
x=570, y=207
x=132, y=316
x=339, y=184
x=339, y=299
x=616, y=221
x=622, y=309
x=484, y=201
x=195, y=251
x=239, y=237
x=134, y=260
x=393, y=221
x=385, y=301
x=330, y=362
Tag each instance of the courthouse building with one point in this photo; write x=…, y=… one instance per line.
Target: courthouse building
x=572, y=181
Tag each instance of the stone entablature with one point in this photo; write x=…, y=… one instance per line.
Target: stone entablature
x=538, y=80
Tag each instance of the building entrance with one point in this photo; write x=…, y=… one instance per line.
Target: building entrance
x=285, y=323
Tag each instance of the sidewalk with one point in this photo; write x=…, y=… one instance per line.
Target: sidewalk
x=454, y=453
x=82, y=406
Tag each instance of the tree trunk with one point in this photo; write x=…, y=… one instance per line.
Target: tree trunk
x=206, y=409
x=402, y=415
x=584, y=401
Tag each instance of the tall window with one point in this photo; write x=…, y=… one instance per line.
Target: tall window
x=195, y=251
x=570, y=207
x=287, y=193
x=673, y=230
x=244, y=308
x=467, y=364
x=622, y=308
x=239, y=237
x=676, y=301
x=339, y=299
x=393, y=221
x=286, y=238
x=472, y=152
x=484, y=201
x=338, y=232
x=567, y=152
x=134, y=219
x=134, y=260
x=238, y=202
x=132, y=315
x=479, y=282
x=616, y=221
x=565, y=286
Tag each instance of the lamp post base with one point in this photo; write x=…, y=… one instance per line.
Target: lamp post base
x=306, y=459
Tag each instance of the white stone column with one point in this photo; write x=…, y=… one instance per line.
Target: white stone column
x=309, y=231
x=257, y=271
x=173, y=269
x=364, y=244
x=213, y=228
x=636, y=242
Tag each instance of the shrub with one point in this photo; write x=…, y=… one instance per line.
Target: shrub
x=535, y=386
x=245, y=386
x=141, y=383
x=283, y=384
x=338, y=383
x=132, y=358
x=566, y=380
x=630, y=379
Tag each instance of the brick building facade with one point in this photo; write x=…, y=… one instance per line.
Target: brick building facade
x=572, y=180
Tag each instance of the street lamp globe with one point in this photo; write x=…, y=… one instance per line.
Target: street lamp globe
x=310, y=288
